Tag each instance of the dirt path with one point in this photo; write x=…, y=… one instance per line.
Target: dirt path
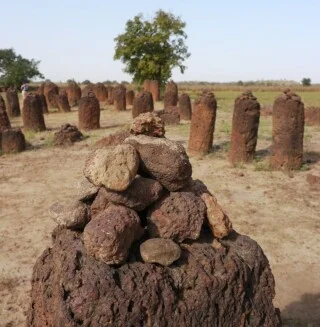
x=280, y=211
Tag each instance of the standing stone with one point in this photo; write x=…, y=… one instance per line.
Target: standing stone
x=119, y=94
x=171, y=95
x=129, y=97
x=50, y=90
x=100, y=92
x=142, y=103
x=13, y=106
x=87, y=90
x=110, y=99
x=245, y=124
x=146, y=85
x=44, y=104
x=185, y=109
x=12, y=141
x=89, y=112
x=32, y=115
x=62, y=101
x=288, y=130
x=4, y=120
x=202, y=124
x=74, y=93
x=155, y=90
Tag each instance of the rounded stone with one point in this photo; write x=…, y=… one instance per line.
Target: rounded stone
x=160, y=250
x=114, y=167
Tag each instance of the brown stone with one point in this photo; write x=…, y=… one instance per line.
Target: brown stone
x=12, y=141
x=67, y=135
x=142, y=103
x=129, y=97
x=85, y=191
x=313, y=179
x=141, y=193
x=73, y=215
x=170, y=95
x=100, y=92
x=245, y=124
x=169, y=116
x=219, y=222
x=13, y=105
x=115, y=138
x=312, y=116
x=202, y=124
x=88, y=90
x=89, y=112
x=32, y=115
x=163, y=159
x=146, y=85
x=4, y=120
x=110, y=235
x=185, y=109
x=178, y=216
x=154, y=88
x=50, y=91
x=74, y=93
x=113, y=167
x=62, y=101
x=119, y=96
x=231, y=286
x=287, y=132
x=43, y=102
x=110, y=99
x=148, y=124
x=160, y=250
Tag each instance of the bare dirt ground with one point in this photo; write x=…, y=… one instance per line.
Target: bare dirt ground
x=279, y=210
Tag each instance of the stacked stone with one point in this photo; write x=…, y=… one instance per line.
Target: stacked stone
x=202, y=124
x=185, y=108
x=89, y=112
x=13, y=105
x=74, y=93
x=287, y=131
x=129, y=97
x=245, y=124
x=119, y=97
x=62, y=101
x=144, y=239
x=11, y=139
x=67, y=135
x=100, y=92
x=32, y=115
x=170, y=95
x=142, y=103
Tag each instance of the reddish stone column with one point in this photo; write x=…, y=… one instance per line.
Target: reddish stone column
x=185, y=109
x=89, y=112
x=13, y=106
x=32, y=115
x=4, y=120
x=129, y=97
x=119, y=96
x=74, y=94
x=288, y=130
x=202, y=124
x=143, y=102
x=245, y=124
x=170, y=95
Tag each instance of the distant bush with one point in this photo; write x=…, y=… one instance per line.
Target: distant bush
x=306, y=81
x=86, y=82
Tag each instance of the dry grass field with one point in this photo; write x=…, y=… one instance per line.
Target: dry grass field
x=281, y=211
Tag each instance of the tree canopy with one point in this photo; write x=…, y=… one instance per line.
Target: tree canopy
x=306, y=81
x=151, y=49
x=16, y=70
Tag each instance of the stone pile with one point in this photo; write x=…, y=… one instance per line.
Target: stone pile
x=67, y=135
x=142, y=244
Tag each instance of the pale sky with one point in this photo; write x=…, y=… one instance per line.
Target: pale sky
x=228, y=40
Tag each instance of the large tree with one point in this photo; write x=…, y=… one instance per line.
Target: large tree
x=151, y=49
x=16, y=70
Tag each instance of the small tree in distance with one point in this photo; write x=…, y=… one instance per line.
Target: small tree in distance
x=16, y=70
x=306, y=81
x=151, y=49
